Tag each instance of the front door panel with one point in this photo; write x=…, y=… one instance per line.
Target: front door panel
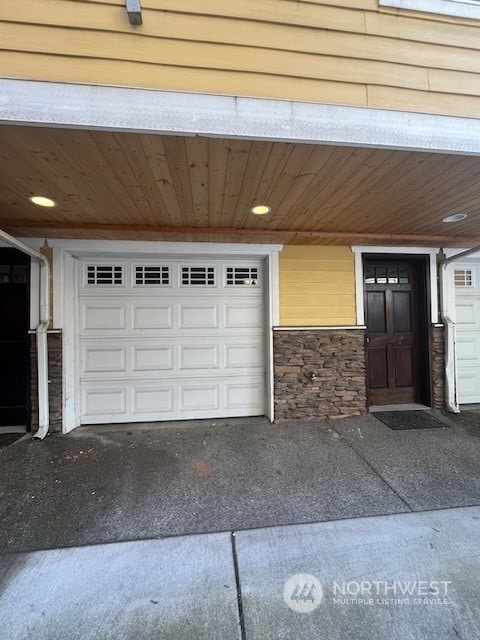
x=392, y=332
x=14, y=345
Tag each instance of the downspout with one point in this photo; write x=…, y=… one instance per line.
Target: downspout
x=451, y=395
x=41, y=331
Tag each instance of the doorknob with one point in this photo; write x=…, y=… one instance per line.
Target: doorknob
x=367, y=339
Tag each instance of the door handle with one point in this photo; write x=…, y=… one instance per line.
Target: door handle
x=367, y=339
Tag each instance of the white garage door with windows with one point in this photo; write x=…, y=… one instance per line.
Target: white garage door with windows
x=467, y=312
x=170, y=340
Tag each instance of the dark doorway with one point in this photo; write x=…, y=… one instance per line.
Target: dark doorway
x=397, y=331
x=14, y=339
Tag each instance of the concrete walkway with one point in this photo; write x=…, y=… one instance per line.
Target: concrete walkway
x=398, y=577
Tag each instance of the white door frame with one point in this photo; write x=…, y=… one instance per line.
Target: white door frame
x=359, y=252
x=65, y=292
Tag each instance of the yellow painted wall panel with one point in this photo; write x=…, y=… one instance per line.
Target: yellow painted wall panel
x=319, y=265
x=236, y=31
x=317, y=286
x=423, y=30
x=430, y=102
x=209, y=56
x=133, y=74
x=335, y=52
x=454, y=81
x=332, y=322
x=304, y=252
x=321, y=15
x=316, y=277
x=311, y=300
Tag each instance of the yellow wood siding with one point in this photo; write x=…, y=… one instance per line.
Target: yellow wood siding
x=317, y=286
x=344, y=52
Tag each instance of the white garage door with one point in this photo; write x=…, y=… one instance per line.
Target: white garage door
x=166, y=340
x=467, y=307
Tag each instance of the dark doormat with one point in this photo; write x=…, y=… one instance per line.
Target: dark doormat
x=9, y=438
x=403, y=420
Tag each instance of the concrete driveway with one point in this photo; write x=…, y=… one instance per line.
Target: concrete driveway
x=111, y=484
x=221, y=516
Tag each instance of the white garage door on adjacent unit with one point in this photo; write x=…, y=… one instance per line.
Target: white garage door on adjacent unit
x=169, y=340
x=467, y=311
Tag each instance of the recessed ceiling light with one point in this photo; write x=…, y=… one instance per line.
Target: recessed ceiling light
x=260, y=209
x=455, y=217
x=41, y=201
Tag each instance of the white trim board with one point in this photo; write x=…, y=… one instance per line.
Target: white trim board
x=400, y=251
x=457, y=8
x=55, y=104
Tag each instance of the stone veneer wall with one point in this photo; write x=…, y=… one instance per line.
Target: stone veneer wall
x=55, y=378
x=336, y=357
x=437, y=367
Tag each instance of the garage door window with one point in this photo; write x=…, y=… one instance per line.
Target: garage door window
x=103, y=274
x=241, y=276
x=152, y=275
x=463, y=278
x=198, y=276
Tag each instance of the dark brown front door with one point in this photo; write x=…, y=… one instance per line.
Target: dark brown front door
x=14, y=349
x=392, y=332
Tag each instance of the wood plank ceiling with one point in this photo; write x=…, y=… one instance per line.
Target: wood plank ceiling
x=139, y=186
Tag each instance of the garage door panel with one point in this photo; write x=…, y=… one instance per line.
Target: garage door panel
x=197, y=316
x=196, y=398
x=152, y=351
x=152, y=400
x=468, y=386
x=152, y=358
x=201, y=357
x=467, y=313
x=152, y=316
x=98, y=401
x=468, y=347
x=244, y=356
x=104, y=317
x=241, y=394
x=247, y=315
x=104, y=359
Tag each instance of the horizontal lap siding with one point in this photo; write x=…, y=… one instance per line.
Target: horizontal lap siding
x=317, y=286
x=345, y=52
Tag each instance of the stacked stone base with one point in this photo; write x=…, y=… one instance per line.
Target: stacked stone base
x=437, y=367
x=319, y=374
x=55, y=380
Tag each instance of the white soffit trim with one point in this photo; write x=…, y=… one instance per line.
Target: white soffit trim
x=57, y=104
x=458, y=8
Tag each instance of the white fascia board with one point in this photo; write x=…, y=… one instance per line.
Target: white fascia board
x=55, y=104
x=457, y=8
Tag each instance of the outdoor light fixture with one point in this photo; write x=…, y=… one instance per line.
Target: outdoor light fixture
x=455, y=217
x=41, y=201
x=134, y=11
x=260, y=209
